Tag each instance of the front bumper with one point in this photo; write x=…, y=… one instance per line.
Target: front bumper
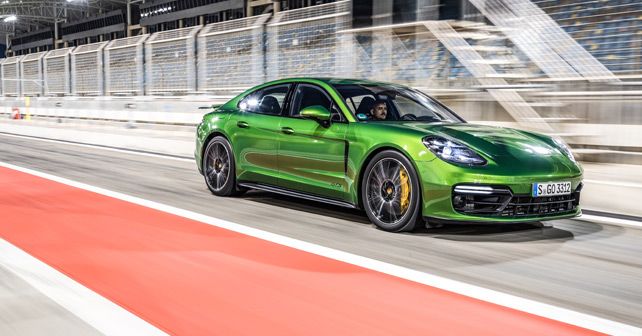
x=506, y=198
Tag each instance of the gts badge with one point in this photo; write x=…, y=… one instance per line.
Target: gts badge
x=335, y=185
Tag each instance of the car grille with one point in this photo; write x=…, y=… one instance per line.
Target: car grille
x=501, y=203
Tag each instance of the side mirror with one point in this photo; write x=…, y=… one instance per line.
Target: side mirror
x=316, y=112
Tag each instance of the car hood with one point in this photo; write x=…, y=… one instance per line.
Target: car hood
x=494, y=141
x=505, y=146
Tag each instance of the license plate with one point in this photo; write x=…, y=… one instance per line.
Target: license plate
x=551, y=189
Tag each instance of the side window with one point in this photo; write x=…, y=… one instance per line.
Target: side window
x=363, y=104
x=268, y=100
x=308, y=95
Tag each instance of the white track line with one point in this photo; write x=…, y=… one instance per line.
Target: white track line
x=123, y=150
x=610, y=220
x=480, y=293
x=100, y=313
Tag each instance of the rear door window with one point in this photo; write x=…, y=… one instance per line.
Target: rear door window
x=269, y=100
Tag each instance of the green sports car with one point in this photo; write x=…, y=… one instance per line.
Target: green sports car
x=398, y=154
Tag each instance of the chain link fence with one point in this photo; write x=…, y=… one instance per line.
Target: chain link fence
x=171, y=61
x=230, y=55
x=124, y=66
x=227, y=57
x=57, y=74
x=404, y=56
x=32, y=74
x=1, y=77
x=87, y=69
x=304, y=42
x=11, y=76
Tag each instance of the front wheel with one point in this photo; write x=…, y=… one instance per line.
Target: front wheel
x=219, y=168
x=391, y=193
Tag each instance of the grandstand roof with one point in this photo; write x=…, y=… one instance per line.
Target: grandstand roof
x=37, y=14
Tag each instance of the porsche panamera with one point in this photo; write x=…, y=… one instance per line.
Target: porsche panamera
x=393, y=151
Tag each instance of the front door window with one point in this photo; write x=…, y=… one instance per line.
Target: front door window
x=308, y=95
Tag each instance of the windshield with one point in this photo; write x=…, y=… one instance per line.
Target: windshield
x=393, y=103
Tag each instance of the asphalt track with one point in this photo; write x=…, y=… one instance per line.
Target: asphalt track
x=139, y=257
x=580, y=265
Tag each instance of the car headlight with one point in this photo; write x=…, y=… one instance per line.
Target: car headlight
x=566, y=150
x=452, y=151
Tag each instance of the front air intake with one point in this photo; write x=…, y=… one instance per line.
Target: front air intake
x=493, y=201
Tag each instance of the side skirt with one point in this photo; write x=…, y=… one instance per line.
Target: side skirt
x=297, y=194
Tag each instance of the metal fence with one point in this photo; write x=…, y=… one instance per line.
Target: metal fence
x=11, y=76
x=57, y=74
x=32, y=74
x=87, y=69
x=405, y=55
x=304, y=42
x=226, y=57
x=1, y=78
x=230, y=54
x=170, y=61
x=124, y=66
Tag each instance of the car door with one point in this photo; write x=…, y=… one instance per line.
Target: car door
x=254, y=134
x=313, y=157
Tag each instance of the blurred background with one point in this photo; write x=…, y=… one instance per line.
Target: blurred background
x=133, y=73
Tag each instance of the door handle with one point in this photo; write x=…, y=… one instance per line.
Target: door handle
x=242, y=124
x=287, y=130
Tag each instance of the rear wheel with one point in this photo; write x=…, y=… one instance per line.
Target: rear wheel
x=391, y=193
x=219, y=168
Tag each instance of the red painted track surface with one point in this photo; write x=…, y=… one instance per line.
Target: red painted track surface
x=191, y=278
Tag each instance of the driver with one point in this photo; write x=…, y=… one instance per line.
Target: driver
x=379, y=110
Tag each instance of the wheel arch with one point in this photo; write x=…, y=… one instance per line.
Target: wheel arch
x=369, y=158
x=212, y=135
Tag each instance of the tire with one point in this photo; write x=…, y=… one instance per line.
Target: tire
x=390, y=192
x=219, y=168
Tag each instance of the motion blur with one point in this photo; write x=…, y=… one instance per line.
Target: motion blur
x=111, y=92
x=566, y=68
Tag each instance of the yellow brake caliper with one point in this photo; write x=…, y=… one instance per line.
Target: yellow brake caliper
x=405, y=190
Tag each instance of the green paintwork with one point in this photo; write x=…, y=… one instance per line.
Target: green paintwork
x=327, y=160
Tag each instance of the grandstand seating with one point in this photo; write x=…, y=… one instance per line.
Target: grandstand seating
x=611, y=30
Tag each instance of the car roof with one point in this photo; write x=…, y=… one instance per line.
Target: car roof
x=334, y=80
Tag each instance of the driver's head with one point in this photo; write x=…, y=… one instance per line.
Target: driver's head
x=379, y=110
